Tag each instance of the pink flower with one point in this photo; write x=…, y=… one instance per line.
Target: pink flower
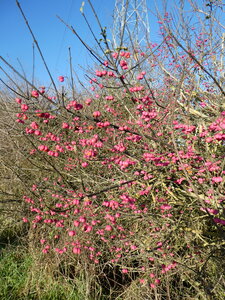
x=115, y=55
x=217, y=179
x=96, y=114
x=84, y=164
x=71, y=233
x=60, y=251
x=209, y=139
x=111, y=74
x=123, y=63
x=82, y=219
x=133, y=247
x=210, y=210
x=37, y=132
x=165, y=207
x=18, y=100
x=88, y=101
x=219, y=221
x=179, y=181
x=142, y=281
x=89, y=153
x=87, y=228
x=61, y=78
x=42, y=90
x=76, y=223
x=46, y=249
x=140, y=76
x=120, y=147
x=35, y=94
x=76, y=250
x=24, y=107
x=34, y=125
x=43, y=148
x=65, y=125
x=108, y=227
x=110, y=97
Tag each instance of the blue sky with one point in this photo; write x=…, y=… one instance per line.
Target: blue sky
x=52, y=35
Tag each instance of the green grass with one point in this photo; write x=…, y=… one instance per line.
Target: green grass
x=21, y=279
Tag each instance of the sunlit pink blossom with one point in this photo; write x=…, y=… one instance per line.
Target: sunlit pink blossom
x=217, y=179
x=61, y=78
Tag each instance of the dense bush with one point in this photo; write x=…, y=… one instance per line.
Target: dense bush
x=125, y=182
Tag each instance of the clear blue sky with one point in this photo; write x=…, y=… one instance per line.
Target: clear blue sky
x=53, y=37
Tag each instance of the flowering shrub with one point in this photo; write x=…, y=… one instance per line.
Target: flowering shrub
x=126, y=185
x=130, y=182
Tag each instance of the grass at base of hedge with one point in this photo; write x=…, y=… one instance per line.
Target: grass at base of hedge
x=20, y=279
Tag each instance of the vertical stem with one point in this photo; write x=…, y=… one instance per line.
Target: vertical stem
x=71, y=74
x=222, y=54
x=33, y=67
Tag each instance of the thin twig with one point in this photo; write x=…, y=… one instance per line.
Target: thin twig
x=38, y=47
